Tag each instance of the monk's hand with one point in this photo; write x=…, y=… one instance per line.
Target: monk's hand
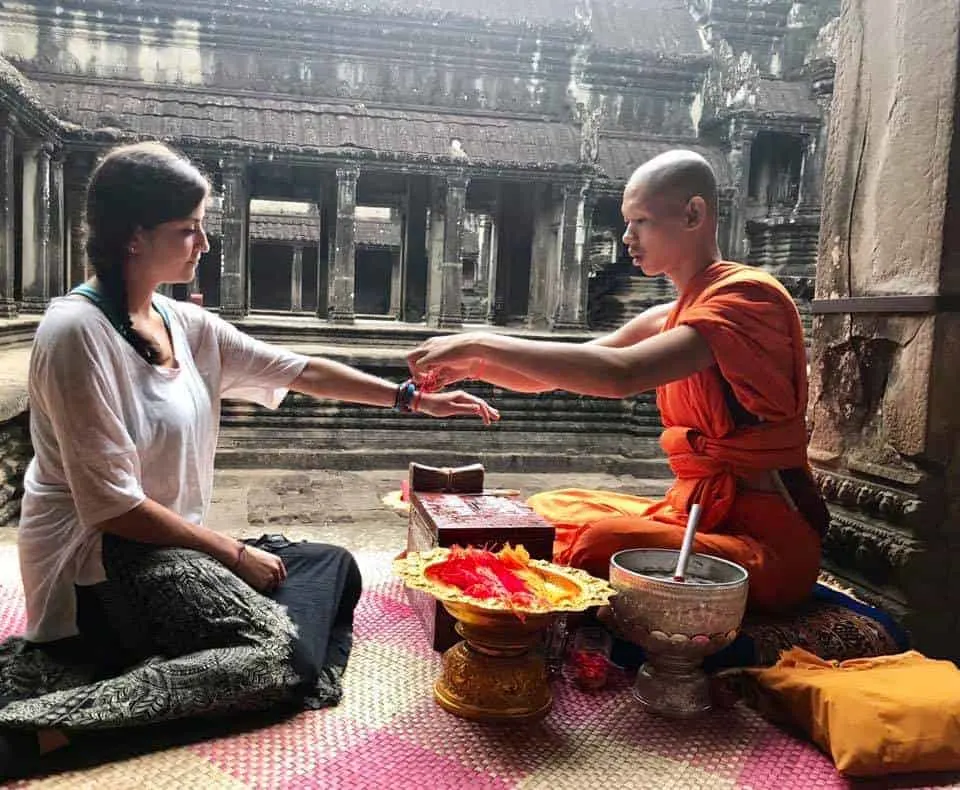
x=260, y=569
x=455, y=404
x=448, y=359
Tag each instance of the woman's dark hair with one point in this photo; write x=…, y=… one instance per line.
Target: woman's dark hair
x=135, y=187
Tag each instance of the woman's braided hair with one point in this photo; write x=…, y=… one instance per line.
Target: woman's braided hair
x=135, y=187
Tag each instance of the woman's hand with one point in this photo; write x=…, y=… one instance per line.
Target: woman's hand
x=260, y=569
x=448, y=359
x=454, y=404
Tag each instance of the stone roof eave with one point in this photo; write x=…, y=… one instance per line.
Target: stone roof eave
x=19, y=101
x=761, y=117
x=94, y=139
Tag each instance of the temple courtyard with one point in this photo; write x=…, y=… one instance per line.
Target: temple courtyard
x=376, y=181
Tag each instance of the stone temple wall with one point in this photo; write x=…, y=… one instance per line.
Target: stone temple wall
x=884, y=385
x=474, y=59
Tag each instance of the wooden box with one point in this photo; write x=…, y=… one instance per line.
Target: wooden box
x=448, y=517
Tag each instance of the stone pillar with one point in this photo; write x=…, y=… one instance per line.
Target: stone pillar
x=435, y=239
x=415, y=250
x=728, y=199
x=497, y=288
x=451, y=274
x=8, y=302
x=76, y=176
x=741, y=146
x=235, y=240
x=482, y=282
x=56, y=254
x=36, y=228
x=575, y=226
x=884, y=384
x=811, y=177
x=396, y=282
x=296, y=279
x=326, y=245
x=343, y=268
x=544, y=257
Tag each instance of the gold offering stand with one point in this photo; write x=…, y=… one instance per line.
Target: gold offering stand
x=495, y=674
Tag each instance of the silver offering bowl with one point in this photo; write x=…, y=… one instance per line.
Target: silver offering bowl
x=677, y=624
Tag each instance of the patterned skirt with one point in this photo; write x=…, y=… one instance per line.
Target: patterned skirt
x=175, y=634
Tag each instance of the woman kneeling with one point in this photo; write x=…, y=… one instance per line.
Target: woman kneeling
x=136, y=612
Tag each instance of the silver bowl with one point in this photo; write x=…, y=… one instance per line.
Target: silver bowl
x=677, y=624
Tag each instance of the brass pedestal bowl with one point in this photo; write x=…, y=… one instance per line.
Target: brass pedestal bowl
x=677, y=624
x=496, y=673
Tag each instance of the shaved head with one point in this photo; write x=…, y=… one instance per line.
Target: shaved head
x=673, y=178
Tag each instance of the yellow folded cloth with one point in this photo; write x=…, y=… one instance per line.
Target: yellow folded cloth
x=873, y=716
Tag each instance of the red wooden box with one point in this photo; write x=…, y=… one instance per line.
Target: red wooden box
x=444, y=519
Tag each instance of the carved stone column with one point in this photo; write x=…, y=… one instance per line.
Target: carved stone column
x=575, y=227
x=327, y=243
x=728, y=199
x=235, y=240
x=451, y=275
x=821, y=75
x=482, y=282
x=296, y=279
x=396, y=282
x=76, y=176
x=36, y=228
x=8, y=302
x=884, y=383
x=436, y=226
x=496, y=289
x=544, y=256
x=343, y=271
x=56, y=253
x=415, y=250
x=495, y=301
x=741, y=146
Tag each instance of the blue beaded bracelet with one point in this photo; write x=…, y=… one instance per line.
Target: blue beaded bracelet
x=406, y=392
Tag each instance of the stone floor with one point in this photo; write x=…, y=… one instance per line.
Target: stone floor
x=344, y=507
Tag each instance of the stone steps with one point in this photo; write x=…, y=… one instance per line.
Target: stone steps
x=462, y=427
x=625, y=294
x=550, y=431
x=513, y=413
x=378, y=336
x=438, y=435
x=371, y=457
x=17, y=331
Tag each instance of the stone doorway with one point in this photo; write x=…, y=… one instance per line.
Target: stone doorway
x=374, y=281
x=284, y=238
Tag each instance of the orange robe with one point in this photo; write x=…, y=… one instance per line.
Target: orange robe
x=753, y=329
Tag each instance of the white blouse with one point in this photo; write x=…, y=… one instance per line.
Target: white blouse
x=109, y=430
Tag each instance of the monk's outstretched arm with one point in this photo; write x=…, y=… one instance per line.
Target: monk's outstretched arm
x=508, y=378
x=585, y=368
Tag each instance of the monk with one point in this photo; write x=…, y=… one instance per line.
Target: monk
x=728, y=364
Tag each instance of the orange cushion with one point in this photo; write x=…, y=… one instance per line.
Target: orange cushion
x=873, y=716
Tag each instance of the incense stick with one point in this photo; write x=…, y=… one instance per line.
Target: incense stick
x=687, y=546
